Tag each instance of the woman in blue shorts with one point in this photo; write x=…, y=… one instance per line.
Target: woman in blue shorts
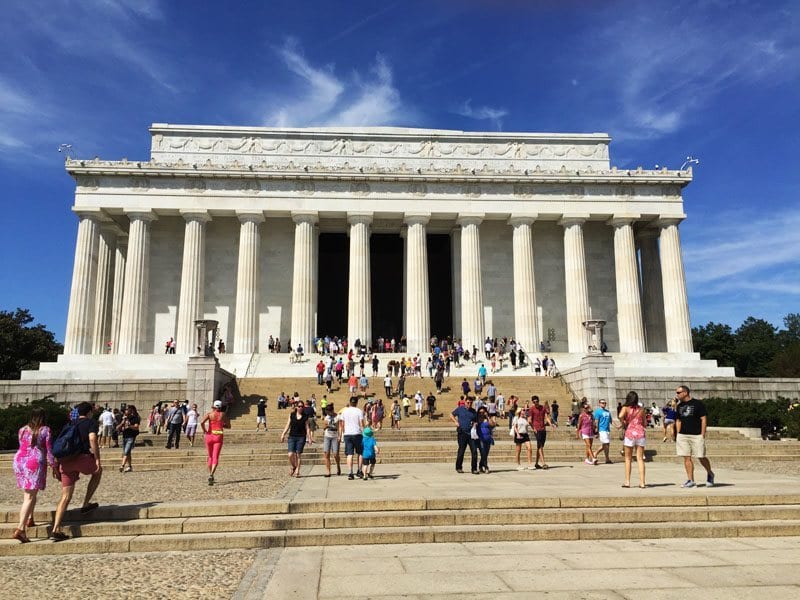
x=298, y=429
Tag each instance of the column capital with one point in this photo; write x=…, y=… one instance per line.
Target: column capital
x=522, y=219
x=416, y=218
x=299, y=216
x=96, y=214
x=194, y=214
x=138, y=214
x=358, y=217
x=470, y=218
x=568, y=219
x=250, y=216
x=647, y=233
x=666, y=221
x=618, y=220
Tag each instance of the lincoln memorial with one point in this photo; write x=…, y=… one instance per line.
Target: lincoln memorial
x=375, y=232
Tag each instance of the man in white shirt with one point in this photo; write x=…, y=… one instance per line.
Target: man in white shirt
x=106, y=428
x=351, y=424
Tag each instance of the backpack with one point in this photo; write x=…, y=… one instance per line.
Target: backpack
x=69, y=442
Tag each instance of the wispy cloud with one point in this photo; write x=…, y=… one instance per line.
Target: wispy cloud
x=746, y=251
x=482, y=113
x=324, y=98
x=667, y=61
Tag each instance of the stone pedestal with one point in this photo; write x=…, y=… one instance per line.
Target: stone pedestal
x=204, y=380
x=597, y=378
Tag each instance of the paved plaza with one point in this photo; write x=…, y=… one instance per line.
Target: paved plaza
x=643, y=568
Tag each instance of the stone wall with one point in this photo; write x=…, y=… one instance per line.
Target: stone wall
x=142, y=393
x=659, y=389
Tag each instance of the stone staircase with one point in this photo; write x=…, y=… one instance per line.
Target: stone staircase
x=280, y=523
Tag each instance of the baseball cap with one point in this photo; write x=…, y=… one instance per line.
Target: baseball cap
x=217, y=404
x=367, y=432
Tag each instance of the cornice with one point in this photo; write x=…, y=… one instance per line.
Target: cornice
x=321, y=172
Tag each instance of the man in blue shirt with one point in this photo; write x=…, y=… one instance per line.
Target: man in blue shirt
x=464, y=417
x=602, y=420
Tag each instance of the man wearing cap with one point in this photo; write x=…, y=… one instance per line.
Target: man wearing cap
x=351, y=426
x=464, y=417
x=261, y=413
x=602, y=420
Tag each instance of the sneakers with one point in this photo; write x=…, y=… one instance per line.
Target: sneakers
x=520, y=468
x=359, y=474
x=210, y=480
x=688, y=484
x=710, y=480
x=588, y=462
x=538, y=466
x=351, y=477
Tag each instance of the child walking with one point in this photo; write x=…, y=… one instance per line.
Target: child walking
x=371, y=451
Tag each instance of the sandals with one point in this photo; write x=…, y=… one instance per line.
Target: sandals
x=20, y=535
x=30, y=522
x=58, y=536
x=625, y=485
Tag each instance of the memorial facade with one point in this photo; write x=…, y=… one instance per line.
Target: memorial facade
x=375, y=232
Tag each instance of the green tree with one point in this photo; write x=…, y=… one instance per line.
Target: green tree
x=787, y=361
x=791, y=334
x=715, y=341
x=22, y=345
x=757, y=344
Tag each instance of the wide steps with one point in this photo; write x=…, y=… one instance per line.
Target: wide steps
x=267, y=524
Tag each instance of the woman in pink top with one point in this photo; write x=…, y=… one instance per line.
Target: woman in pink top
x=213, y=424
x=30, y=467
x=585, y=431
x=632, y=417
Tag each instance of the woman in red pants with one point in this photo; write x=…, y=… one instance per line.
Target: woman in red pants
x=213, y=424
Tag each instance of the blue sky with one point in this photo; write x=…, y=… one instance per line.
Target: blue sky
x=716, y=79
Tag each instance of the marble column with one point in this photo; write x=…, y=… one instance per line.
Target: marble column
x=120, y=256
x=304, y=275
x=359, y=301
x=652, y=293
x=629, y=301
x=576, y=289
x=418, y=315
x=676, y=304
x=245, y=333
x=80, y=316
x=106, y=249
x=472, y=321
x=526, y=330
x=190, y=302
x=137, y=275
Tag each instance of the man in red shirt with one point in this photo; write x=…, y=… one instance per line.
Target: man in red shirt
x=539, y=417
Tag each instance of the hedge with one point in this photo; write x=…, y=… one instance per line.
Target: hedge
x=13, y=417
x=779, y=415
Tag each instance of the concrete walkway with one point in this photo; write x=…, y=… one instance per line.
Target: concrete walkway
x=663, y=569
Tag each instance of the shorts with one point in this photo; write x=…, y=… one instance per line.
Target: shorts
x=585, y=436
x=369, y=461
x=541, y=437
x=191, y=430
x=605, y=437
x=72, y=468
x=630, y=443
x=521, y=439
x=330, y=444
x=297, y=443
x=353, y=444
x=669, y=421
x=690, y=445
x=106, y=431
x=260, y=420
x=127, y=445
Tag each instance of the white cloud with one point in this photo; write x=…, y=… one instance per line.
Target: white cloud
x=665, y=62
x=745, y=252
x=483, y=113
x=323, y=98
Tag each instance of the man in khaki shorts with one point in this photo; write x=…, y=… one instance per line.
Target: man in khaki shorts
x=691, y=435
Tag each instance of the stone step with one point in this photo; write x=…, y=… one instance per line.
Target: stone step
x=400, y=535
x=422, y=518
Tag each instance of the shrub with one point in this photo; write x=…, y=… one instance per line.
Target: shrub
x=15, y=416
x=769, y=416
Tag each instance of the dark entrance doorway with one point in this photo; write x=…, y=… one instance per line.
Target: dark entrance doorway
x=440, y=284
x=386, y=285
x=333, y=258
